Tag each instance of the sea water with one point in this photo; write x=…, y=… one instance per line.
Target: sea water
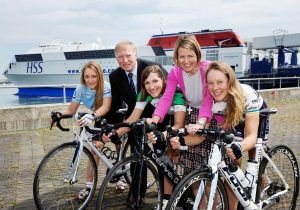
x=8, y=97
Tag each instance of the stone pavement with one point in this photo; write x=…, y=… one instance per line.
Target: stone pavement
x=21, y=152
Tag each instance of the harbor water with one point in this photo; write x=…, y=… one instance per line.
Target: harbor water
x=8, y=97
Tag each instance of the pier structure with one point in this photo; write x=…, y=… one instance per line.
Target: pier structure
x=25, y=139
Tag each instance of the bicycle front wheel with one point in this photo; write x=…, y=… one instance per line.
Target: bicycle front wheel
x=122, y=195
x=184, y=195
x=52, y=187
x=269, y=182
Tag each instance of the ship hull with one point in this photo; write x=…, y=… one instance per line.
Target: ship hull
x=45, y=91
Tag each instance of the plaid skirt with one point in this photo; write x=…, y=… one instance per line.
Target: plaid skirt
x=197, y=155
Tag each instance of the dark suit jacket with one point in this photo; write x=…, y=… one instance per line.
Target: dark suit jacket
x=121, y=92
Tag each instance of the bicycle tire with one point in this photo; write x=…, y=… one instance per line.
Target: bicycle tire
x=285, y=160
x=50, y=190
x=182, y=195
x=111, y=198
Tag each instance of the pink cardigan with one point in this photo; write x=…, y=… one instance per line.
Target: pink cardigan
x=175, y=77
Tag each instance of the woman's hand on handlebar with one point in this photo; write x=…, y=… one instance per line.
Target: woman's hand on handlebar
x=153, y=120
x=155, y=136
x=234, y=151
x=193, y=128
x=86, y=120
x=174, y=142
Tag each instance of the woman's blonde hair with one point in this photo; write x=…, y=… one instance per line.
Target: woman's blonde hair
x=100, y=85
x=235, y=99
x=145, y=74
x=187, y=41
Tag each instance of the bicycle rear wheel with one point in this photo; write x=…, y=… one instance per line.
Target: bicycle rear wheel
x=52, y=187
x=270, y=183
x=112, y=197
x=184, y=197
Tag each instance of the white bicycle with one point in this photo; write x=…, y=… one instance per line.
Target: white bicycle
x=62, y=172
x=273, y=177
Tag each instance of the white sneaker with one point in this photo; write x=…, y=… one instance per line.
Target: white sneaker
x=164, y=204
x=121, y=185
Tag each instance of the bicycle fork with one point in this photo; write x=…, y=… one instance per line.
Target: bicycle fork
x=73, y=165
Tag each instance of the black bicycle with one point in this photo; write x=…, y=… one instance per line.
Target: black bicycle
x=133, y=196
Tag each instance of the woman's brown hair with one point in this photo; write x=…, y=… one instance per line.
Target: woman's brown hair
x=187, y=41
x=145, y=74
x=100, y=85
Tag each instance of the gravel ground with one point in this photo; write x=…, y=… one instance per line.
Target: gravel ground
x=21, y=152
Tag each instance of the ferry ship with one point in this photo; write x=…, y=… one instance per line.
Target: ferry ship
x=60, y=64
x=223, y=45
x=57, y=63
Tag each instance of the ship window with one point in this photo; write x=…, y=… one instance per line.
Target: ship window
x=212, y=55
x=233, y=68
x=158, y=51
x=28, y=57
x=91, y=54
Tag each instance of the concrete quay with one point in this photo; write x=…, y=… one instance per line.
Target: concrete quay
x=23, y=145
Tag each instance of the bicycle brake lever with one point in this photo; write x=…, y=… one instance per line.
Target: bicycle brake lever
x=51, y=125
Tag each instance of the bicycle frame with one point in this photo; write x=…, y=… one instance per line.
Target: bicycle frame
x=166, y=169
x=146, y=152
x=217, y=164
x=84, y=140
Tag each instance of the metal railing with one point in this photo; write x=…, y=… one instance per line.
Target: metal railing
x=281, y=79
x=253, y=81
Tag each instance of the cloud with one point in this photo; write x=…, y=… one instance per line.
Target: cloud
x=28, y=23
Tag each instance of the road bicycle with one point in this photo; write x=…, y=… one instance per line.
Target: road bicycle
x=62, y=172
x=272, y=178
x=144, y=156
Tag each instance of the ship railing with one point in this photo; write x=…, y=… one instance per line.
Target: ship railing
x=273, y=82
x=63, y=86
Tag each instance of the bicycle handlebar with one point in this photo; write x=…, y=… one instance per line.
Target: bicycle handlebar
x=227, y=137
x=56, y=118
x=107, y=128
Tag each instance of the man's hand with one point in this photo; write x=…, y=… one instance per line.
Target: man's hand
x=112, y=136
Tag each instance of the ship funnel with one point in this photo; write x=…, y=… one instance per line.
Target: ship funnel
x=281, y=56
x=294, y=59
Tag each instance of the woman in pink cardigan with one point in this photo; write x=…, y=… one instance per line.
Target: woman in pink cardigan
x=189, y=74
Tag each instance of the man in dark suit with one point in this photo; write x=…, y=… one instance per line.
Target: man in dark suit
x=126, y=55
x=125, y=84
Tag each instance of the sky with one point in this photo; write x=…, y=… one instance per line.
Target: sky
x=25, y=24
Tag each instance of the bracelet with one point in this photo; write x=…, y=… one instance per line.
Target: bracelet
x=181, y=140
x=183, y=147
